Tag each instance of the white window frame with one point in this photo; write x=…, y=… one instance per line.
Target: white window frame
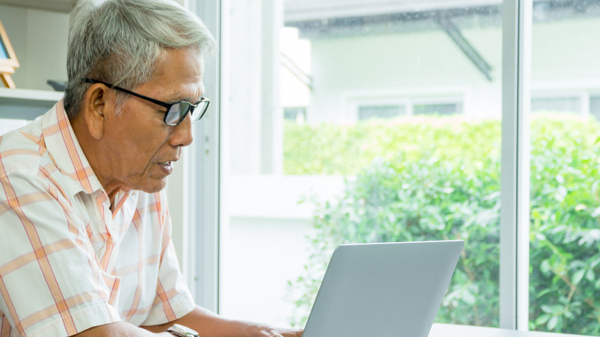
x=201, y=183
x=514, y=215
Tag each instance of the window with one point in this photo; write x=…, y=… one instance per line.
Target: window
x=385, y=112
x=556, y=105
x=595, y=107
x=297, y=114
x=564, y=227
x=437, y=109
x=353, y=172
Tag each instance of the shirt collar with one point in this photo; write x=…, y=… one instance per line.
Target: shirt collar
x=65, y=151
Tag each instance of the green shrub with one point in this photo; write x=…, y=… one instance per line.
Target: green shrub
x=439, y=178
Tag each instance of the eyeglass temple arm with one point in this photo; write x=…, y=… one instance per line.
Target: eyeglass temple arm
x=149, y=99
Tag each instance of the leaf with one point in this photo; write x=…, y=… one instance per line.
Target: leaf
x=542, y=319
x=545, y=266
x=561, y=193
x=552, y=309
x=580, y=207
x=578, y=276
x=468, y=298
x=590, y=275
x=552, y=323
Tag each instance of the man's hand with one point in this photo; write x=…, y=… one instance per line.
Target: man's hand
x=210, y=324
x=269, y=331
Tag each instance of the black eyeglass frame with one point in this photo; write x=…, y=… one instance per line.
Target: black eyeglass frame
x=168, y=106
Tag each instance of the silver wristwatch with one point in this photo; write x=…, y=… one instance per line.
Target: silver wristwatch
x=182, y=331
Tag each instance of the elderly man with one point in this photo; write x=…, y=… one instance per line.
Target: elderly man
x=85, y=247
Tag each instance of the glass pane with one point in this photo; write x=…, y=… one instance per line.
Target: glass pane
x=556, y=104
x=595, y=107
x=437, y=109
x=295, y=114
x=565, y=170
x=399, y=141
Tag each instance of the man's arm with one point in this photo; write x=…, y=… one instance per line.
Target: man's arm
x=120, y=329
x=208, y=324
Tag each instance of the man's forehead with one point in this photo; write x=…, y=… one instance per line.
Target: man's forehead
x=186, y=64
x=179, y=73
x=188, y=96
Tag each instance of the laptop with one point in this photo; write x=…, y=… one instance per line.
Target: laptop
x=383, y=289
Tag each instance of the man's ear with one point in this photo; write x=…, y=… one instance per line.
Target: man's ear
x=97, y=103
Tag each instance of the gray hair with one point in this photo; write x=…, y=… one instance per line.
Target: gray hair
x=120, y=42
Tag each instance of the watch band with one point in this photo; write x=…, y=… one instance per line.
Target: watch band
x=182, y=331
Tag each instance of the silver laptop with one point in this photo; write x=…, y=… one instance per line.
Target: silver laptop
x=383, y=290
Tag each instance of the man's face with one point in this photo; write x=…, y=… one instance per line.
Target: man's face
x=143, y=147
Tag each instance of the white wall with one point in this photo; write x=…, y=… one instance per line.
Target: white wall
x=260, y=257
x=40, y=42
x=265, y=244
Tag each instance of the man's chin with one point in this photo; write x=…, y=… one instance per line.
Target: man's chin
x=154, y=185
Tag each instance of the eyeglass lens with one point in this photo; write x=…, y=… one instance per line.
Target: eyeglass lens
x=179, y=111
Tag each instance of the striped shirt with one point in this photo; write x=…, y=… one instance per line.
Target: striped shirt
x=67, y=262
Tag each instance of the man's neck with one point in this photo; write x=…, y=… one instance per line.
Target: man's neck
x=99, y=162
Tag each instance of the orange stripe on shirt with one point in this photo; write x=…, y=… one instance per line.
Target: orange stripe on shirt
x=25, y=259
x=41, y=255
x=71, y=302
x=31, y=137
x=160, y=292
x=26, y=199
x=14, y=152
x=64, y=126
x=4, y=326
x=11, y=308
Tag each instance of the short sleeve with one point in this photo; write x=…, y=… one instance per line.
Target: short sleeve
x=173, y=299
x=50, y=282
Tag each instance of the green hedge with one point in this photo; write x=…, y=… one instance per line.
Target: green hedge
x=439, y=178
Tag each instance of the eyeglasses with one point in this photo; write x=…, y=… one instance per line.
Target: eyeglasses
x=176, y=112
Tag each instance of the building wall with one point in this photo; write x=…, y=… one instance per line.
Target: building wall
x=428, y=64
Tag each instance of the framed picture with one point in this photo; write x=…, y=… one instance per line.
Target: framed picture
x=8, y=59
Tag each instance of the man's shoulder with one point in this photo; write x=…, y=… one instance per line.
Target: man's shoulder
x=22, y=150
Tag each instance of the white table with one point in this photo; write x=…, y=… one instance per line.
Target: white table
x=447, y=330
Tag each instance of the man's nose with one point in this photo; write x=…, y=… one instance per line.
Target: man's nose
x=183, y=135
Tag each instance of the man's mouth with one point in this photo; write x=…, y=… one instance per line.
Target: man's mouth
x=166, y=164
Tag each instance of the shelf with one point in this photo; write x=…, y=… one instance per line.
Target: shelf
x=26, y=104
x=63, y=6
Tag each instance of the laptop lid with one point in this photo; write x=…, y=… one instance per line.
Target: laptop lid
x=383, y=290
